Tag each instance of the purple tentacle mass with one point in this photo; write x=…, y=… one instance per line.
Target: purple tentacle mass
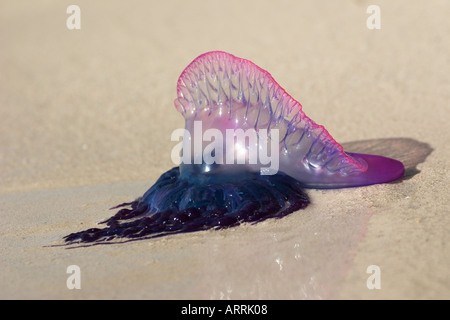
x=174, y=205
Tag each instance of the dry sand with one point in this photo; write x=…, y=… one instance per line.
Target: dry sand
x=85, y=123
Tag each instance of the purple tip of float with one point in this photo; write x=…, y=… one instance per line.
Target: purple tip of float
x=379, y=170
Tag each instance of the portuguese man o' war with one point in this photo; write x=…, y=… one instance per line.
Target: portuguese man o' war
x=247, y=152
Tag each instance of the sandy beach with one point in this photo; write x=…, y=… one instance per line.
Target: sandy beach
x=86, y=117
